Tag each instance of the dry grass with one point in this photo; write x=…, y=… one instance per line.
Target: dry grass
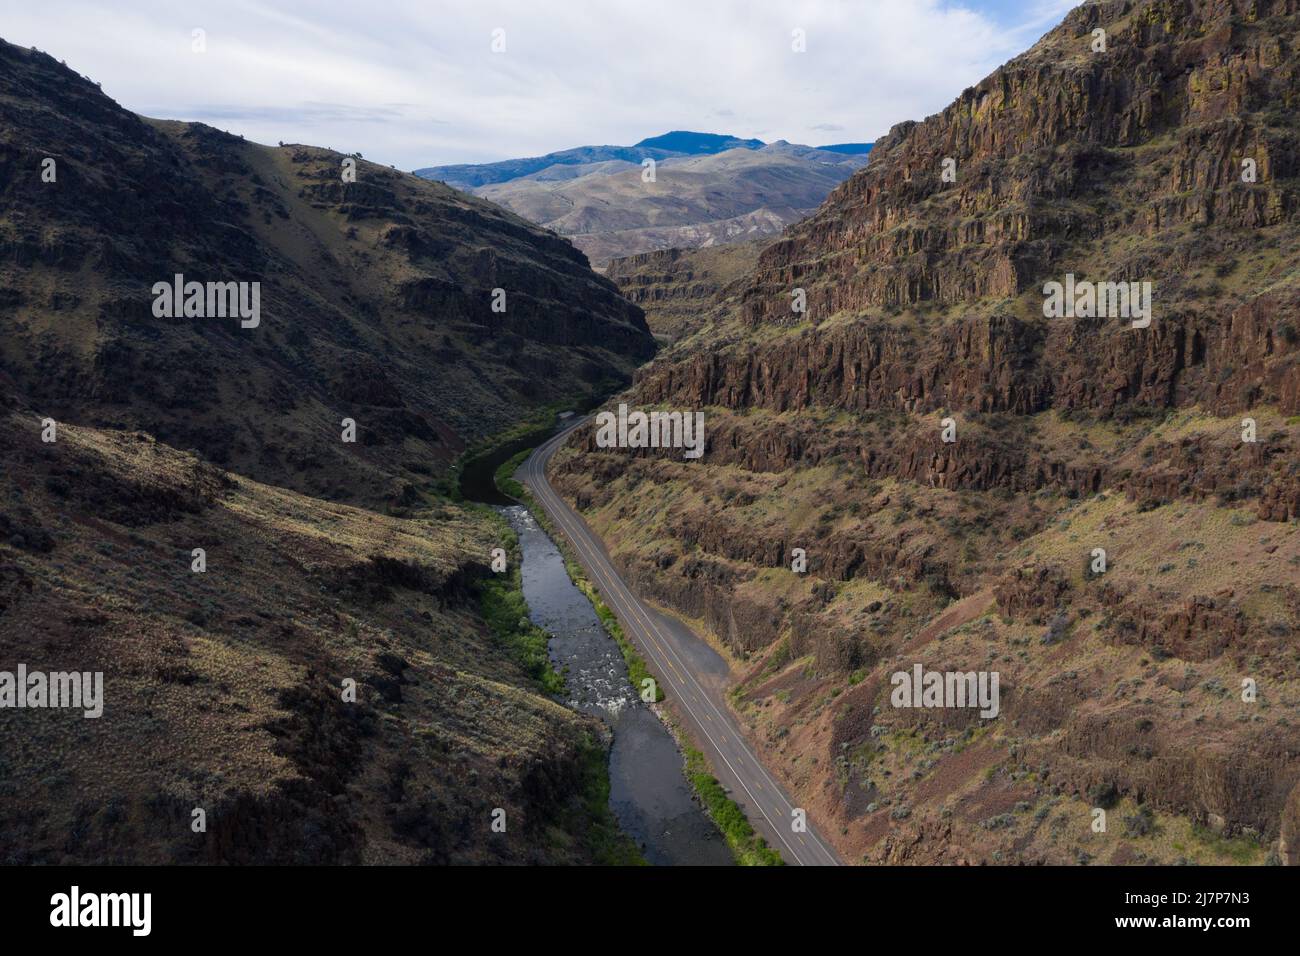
x=223, y=689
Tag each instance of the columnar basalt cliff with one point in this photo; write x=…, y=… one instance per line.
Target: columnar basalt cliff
x=1102, y=508
x=1062, y=151
x=1004, y=363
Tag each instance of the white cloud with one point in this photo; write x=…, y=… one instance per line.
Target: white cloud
x=415, y=83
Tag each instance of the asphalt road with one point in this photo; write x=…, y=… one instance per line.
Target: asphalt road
x=693, y=676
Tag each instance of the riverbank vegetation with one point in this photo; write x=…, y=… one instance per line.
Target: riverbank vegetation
x=747, y=847
x=502, y=605
x=638, y=672
x=505, y=476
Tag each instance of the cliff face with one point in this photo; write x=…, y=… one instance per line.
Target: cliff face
x=1117, y=166
x=677, y=288
x=1226, y=362
x=1061, y=153
x=1173, y=446
x=376, y=295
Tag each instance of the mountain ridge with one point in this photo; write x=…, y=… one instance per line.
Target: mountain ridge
x=301, y=640
x=388, y=265
x=923, y=276
x=613, y=207
x=664, y=146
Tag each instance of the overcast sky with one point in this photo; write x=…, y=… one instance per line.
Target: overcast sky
x=416, y=82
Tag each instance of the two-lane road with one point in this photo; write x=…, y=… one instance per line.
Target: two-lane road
x=679, y=660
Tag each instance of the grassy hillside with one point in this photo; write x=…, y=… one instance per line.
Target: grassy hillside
x=339, y=679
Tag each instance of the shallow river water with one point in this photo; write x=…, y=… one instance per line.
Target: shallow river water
x=648, y=792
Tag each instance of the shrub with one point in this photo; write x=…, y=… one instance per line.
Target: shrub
x=1142, y=823
x=1104, y=795
x=749, y=848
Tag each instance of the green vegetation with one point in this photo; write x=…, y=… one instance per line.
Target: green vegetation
x=1242, y=850
x=748, y=847
x=474, y=469
x=1140, y=824
x=779, y=657
x=610, y=846
x=502, y=604
x=475, y=475
x=504, y=476
x=540, y=418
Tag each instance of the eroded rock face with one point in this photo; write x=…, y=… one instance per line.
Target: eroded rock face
x=1001, y=363
x=678, y=288
x=1044, y=161
x=925, y=304
x=1123, y=166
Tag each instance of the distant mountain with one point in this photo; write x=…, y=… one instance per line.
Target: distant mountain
x=469, y=177
x=678, y=143
x=855, y=149
x=708, y=190
x=698, y=144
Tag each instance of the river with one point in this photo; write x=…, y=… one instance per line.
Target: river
x=648, y=791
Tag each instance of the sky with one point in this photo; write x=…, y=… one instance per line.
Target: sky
x=414, y=83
